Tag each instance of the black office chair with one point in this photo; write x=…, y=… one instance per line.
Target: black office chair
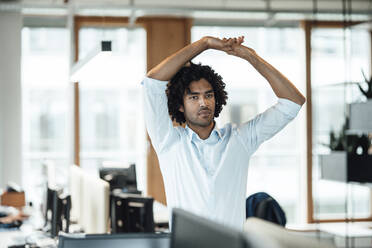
x=264, y=206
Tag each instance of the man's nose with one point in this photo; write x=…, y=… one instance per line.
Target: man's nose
x=202, y=101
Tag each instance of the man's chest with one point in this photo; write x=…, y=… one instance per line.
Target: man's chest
x=211, y=159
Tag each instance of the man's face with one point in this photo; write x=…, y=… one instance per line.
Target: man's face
x=199, y=104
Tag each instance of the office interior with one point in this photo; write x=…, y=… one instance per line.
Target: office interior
x=74, y=143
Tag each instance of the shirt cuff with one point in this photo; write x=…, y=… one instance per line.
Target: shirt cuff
x=288, y=107
x=154, y=85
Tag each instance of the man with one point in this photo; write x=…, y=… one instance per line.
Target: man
x=205, y=168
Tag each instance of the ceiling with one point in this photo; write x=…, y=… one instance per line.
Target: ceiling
x=201, y=10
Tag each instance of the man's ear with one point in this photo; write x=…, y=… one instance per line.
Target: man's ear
x=181, y=109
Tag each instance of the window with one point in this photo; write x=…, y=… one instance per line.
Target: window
x=45, y=106
x=111, y=116
x=276, y=166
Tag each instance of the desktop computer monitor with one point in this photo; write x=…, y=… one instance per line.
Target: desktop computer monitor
x=49, y=169
x=189, y=230
x=123, y=178
x=128, y=240
x=76, y=192
x=61, y=215
x=49, y=201
x=57, y=214
x=96, y=203
x=131, y=213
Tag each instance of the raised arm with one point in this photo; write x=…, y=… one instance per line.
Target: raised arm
x=281, y=86
x=169, y=66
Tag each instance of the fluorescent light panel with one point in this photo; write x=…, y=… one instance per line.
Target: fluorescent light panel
x=95, y=60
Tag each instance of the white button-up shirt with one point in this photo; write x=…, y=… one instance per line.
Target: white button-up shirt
x=208, y=177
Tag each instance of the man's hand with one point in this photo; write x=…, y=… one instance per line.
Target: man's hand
x=236, y=47
x=225, y=44
x=169, y=66
x=281, y=86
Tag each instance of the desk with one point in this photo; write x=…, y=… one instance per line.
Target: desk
x=161, y=213
x=161, y=216
x=25, y=233
x=6, y=238
x=352, y=234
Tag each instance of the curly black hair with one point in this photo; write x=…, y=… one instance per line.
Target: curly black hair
x=180, y=82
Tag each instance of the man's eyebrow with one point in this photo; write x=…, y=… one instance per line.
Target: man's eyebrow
x=198, y=93
x=193, y=93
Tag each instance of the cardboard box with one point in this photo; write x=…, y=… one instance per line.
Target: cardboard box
x=13, y=199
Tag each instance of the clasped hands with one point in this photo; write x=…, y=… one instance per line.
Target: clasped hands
x=231, y=46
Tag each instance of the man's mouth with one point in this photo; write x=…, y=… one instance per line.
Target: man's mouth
x=204, y=113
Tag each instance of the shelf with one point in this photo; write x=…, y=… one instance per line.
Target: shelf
x=333, y=166
x=343, y=167
x=360, y=117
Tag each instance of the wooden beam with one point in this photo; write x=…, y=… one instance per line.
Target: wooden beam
x=370, y=50
x=76, y=99
x=331, y=24
x=342, y=220
x=101, y=21
x=307, y=26
x=164, y=37
x=370, y=74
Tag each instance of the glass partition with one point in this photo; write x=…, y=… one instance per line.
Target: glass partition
x=338, y=58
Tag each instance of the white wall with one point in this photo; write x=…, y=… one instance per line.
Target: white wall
x=10, y=98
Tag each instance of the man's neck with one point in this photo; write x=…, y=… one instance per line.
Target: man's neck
x=202, y=132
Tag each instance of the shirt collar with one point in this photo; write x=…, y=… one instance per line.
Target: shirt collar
x=217, y=131
x=191, y=134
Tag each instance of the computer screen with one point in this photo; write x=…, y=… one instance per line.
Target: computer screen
x=128, y=240
x=57, y=215
x=131, y=213
x=76, y=192
x=96, y=204
x=190, y=230
x=120, y=178
x=50, y=172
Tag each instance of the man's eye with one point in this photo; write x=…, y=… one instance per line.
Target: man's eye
x=209, y=95
x=194, y=97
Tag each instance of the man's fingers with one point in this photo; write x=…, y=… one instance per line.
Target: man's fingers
x=229, y=44
x=231, y=52
x=230, y=41
x=241, y=39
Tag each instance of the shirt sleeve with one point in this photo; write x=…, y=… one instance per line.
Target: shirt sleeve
x=158, y=122
x=267, y=124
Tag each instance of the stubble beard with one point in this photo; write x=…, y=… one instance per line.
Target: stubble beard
x=196, y=122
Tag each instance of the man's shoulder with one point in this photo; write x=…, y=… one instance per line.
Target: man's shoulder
x=154, y=85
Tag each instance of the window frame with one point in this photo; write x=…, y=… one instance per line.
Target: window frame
x=307, y=27
x=83, y=22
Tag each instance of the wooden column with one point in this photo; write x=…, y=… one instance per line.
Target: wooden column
x=370, y=74
x=307, y=25
x=164, y=37
x=370, y=55
x=77, y=26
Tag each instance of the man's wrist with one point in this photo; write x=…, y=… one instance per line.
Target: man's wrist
x=246, y=52
x=204, y=43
